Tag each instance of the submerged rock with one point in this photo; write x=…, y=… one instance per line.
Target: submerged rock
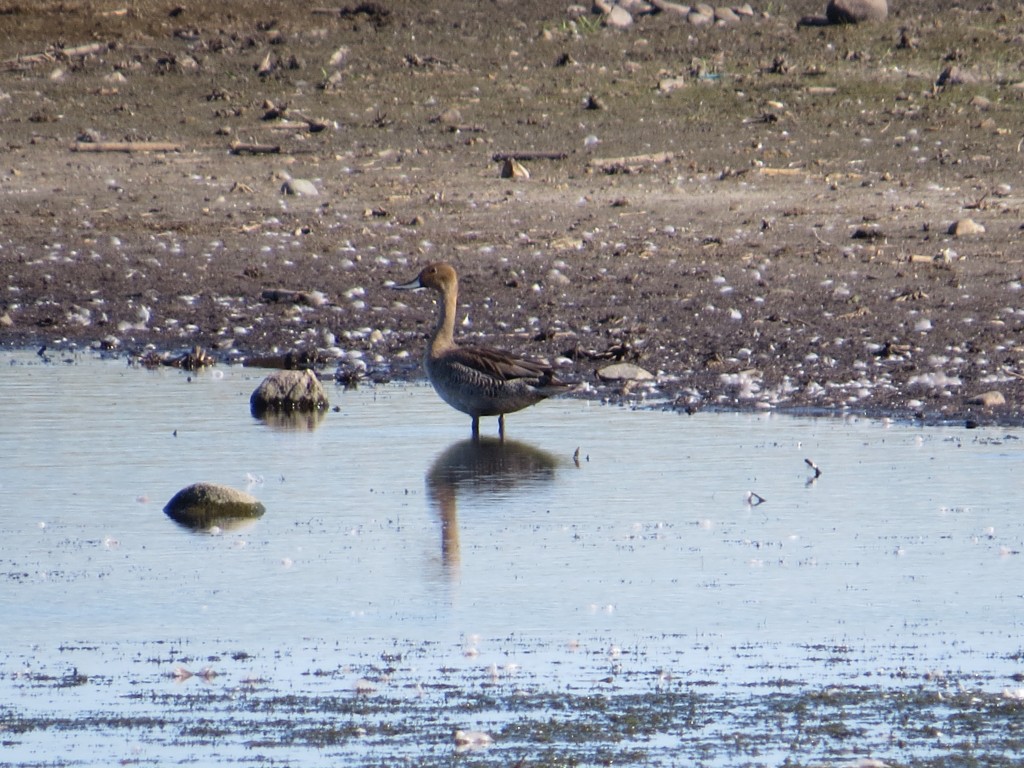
x=288, y=391
x=204, y=505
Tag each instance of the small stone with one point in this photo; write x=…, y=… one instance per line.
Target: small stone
x=989, y=399
x=669, y=84
x=468, y=740
x=856, y=11
x=726, y=16
x=339, y=57
x=288, y=391
x=618, y=18
x=513, y=169
x=624, y=372
x=204, y=505
x=450, y=117
x=698, y=19
x=666, y=6
x=965, y=228
x=300, y=187
x=954, y=75
x=744, y=10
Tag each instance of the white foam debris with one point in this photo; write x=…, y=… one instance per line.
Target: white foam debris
x=746, y=383
x=935, y=379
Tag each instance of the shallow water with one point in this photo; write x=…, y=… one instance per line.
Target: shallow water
x=400, y=573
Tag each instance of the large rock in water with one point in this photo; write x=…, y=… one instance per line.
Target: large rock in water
x=856, y=11
x=288, y=391
x=205, y=505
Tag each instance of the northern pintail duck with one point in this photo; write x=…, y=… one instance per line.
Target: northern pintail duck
x=477, y=380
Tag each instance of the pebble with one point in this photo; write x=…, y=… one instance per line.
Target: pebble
x=856, y=11
x=513, y=169
x=300, y=187
x=618, y=18
x=989, y=399
x=624, y=372
x=965, y=227
x=726, y=16
x=466, y=740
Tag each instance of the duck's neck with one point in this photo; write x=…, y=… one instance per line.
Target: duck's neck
x=443, y=337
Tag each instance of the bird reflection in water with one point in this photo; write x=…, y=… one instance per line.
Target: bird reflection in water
x=480, y=466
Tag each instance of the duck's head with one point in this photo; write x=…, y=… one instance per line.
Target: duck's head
x=439, y=276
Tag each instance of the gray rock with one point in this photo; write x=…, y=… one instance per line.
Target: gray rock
x=300, y=187
x=726, y=15
x=284, y=391
x=990, y=399
x=856, y=11
x=624, y=372
x=513, y=169
x=618, y=18
x=667, y=6
x=966, y=228
x=204, y=505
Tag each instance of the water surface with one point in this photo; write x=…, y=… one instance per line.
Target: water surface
x=396, y=554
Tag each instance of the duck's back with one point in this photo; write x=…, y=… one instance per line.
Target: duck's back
x=485, y=382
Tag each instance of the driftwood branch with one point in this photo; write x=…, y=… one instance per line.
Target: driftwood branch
x=125, y=146
x=500, y=157
x=632, y=163
x=240, y=148
x=53, y=54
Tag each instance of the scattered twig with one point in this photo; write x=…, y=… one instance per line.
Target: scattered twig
x=241, y=148
x=1013, y=373
x=815, y=467
x=631, y=163
x=819, y=238
x=125, y=146
x=500, y=157
x=754, y=499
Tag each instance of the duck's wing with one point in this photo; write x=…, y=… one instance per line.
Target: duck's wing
x=504, y=366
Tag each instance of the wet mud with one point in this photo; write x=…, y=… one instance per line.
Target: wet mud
x=761, y=214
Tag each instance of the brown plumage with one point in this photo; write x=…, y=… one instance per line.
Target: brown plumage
x=478, y=381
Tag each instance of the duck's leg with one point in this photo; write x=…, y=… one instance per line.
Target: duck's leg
x=476, y=427
x=501, y=425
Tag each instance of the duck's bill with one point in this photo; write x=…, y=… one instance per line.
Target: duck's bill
x=412, y=285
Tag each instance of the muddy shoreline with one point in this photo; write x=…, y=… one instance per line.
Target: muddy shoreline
x=762, y=216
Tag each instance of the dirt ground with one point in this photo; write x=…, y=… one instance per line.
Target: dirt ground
x=759, y=213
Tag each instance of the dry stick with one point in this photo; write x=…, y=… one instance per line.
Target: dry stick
x=82, y=50
x=1013, y=373
x=500, y=157
x=125, y=146
x=238, y=148
x=654, y=158
x=41, y=58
